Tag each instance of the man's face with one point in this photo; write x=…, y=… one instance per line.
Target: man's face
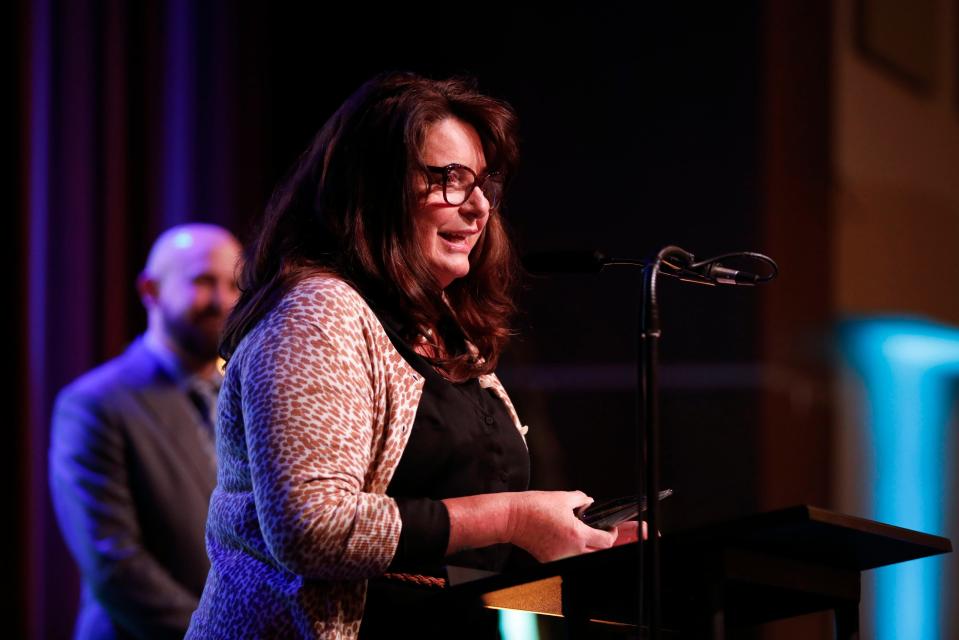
x=196, y=293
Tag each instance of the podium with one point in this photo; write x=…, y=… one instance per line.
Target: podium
x=747, y=571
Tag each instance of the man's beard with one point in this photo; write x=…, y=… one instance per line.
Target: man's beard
x=199, y=335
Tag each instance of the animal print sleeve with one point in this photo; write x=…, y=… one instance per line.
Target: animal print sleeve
x=308, y=406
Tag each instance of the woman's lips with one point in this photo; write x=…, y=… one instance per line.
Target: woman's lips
x=457, y=241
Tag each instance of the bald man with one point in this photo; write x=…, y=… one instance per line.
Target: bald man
x=132, y=456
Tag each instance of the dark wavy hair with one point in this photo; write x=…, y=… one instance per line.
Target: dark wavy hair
x=346, y=207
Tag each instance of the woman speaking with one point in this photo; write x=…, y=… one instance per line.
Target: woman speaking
x=361, y=429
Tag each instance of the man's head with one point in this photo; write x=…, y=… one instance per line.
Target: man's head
x=189, y=287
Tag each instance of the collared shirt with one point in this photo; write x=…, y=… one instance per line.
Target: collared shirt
x=172, y=366
x=201, y=390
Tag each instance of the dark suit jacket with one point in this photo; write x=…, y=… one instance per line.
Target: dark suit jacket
x=131, y=477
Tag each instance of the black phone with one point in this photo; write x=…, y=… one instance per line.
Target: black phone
x=606, y=514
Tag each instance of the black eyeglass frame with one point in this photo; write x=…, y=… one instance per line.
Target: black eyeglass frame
x=478, y=181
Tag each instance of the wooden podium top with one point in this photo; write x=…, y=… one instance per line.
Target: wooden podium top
x=780, y=563
x=802, y=533
x=814, y=534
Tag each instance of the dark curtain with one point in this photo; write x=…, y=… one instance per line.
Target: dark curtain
x=130, y=123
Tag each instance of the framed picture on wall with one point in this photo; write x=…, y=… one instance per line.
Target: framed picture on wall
x=901, y=38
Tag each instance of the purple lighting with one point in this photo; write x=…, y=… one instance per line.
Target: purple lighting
x=178, y=117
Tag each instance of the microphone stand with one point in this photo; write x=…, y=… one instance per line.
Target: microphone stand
x=683, y=266
x=647, y=441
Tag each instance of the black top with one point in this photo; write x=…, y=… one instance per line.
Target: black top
x=463, y=442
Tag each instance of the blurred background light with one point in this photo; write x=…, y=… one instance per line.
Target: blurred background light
x=908, y=368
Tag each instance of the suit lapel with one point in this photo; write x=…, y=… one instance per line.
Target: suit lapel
x=176, y=422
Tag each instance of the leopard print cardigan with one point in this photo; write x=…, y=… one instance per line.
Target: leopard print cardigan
x=314, y=413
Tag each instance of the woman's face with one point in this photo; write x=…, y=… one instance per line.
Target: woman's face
x=445, y=233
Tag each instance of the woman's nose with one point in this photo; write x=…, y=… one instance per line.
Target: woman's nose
x=476, y=205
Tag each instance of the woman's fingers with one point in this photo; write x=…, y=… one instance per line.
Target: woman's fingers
x=623, y=533
x=628, y=532
x=543, y=523
x=579, y=499
x=598, y=539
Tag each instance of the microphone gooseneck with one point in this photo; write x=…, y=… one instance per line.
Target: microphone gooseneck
x=677, y=263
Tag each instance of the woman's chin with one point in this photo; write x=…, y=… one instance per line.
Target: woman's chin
x=451, y=271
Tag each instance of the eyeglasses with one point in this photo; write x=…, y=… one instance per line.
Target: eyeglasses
x=459, y=181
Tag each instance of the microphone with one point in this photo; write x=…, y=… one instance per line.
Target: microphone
x=712, y=272
x=679, y=263
x=724, y=275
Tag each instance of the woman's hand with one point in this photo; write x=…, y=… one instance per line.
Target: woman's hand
x=627, y=532
x=543, y=523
